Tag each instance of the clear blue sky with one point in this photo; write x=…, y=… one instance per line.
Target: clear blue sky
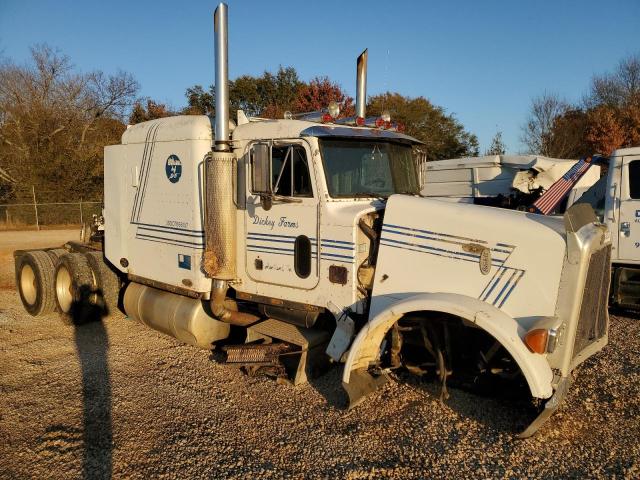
x=481, y=60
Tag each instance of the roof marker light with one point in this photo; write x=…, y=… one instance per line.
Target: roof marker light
x=333, y=109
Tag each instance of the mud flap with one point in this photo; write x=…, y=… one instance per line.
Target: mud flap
x=362, y=383
x=549, y=408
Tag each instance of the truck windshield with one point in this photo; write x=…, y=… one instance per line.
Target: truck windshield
x=358, y=168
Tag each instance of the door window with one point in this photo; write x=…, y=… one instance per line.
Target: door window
x=634, y=179
x=290, y=176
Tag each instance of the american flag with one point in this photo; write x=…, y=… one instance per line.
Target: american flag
x=552, y=197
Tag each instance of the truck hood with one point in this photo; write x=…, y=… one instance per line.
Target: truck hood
x=509, y=259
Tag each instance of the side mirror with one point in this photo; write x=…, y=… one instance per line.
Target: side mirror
x=261, y=169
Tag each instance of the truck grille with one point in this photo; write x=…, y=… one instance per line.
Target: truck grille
x=593, y=321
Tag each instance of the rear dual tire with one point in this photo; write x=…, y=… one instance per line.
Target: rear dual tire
x=75, y=288
x=35, y=273
x=106, y=281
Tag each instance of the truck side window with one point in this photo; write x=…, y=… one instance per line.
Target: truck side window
x=301, y=176
x=290, y=171
x=280, y=168
x=634, y=179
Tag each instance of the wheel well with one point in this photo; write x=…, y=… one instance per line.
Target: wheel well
x=449, y=349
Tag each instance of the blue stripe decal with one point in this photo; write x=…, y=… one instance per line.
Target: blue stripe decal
x=179, y=243
x=336, y=241
x=268, y=251
x=167, y=228
x=497, y=280
x=511, y=289
x=271, y=248
x=387, y=230
x=251, y=237
x=429, y=232
x=323, y=254
x=273, y=235
x=494, y=283
x=435, y=249
x=184, y=234
x=506, y=285
x=382, y=242
x=339, y=247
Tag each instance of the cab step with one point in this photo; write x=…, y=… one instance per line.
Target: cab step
x=304, y=356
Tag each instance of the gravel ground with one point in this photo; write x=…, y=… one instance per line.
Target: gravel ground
x=117, y=399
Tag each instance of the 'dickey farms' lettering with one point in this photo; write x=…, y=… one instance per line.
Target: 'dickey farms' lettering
x=282, y=222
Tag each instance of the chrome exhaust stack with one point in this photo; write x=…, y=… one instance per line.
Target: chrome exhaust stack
x=361, y=85
x=220, y=210
x=220, y=24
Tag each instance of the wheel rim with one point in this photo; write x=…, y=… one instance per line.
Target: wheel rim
x=28, y=284
x=63, y=289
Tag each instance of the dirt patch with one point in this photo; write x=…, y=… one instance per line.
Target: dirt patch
x=24, y=240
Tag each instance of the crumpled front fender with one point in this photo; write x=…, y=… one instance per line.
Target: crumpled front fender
x=366, y=346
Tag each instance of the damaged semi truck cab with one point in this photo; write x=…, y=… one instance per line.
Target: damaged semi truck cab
x=310, y=232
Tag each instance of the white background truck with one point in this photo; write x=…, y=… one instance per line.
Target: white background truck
x=516, y=181
x=284, y=243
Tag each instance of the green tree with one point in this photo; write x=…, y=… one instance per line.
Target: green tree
x=443, y=135
x=497, y=146
x=269, y=95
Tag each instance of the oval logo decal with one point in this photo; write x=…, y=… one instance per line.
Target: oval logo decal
x=485, y=261
x=173, y=168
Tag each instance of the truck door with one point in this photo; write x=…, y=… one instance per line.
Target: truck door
x=282, y=231
x=629, y=223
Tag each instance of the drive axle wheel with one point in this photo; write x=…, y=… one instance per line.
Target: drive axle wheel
x=106, y=281
x=75, y=288
x=34, y=278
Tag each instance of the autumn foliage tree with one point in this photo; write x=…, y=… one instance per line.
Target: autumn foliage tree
x=152, y=110
x=318, y=93
x=607, y=119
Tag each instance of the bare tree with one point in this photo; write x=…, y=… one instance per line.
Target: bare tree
x=618, y=88
x=536, y=132
x=55, y=122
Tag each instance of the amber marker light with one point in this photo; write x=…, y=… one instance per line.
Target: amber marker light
x=537, y=340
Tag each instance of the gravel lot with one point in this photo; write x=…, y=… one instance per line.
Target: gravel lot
x=118, y=399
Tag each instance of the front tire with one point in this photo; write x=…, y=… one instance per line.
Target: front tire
x=35, y=279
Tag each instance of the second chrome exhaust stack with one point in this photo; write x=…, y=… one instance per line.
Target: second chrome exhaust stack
x=361, y=85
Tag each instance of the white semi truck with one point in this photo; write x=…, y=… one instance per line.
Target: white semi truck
x=512, y=181
x=306, y=238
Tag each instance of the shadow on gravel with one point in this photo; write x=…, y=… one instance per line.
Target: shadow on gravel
x=92, y=345
x=502, y=406
x=621, y=312
x=329, y=386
